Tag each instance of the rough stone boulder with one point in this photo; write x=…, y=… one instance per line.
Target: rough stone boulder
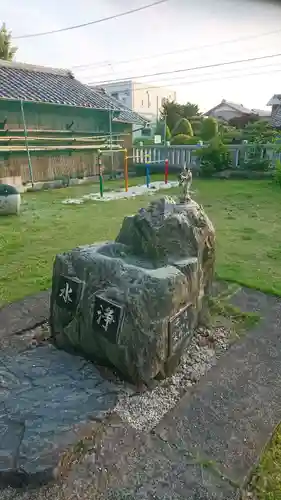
x=135, y=302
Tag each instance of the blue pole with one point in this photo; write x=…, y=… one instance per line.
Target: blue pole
x=147, y=172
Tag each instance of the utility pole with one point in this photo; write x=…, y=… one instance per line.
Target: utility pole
x=26, y=143
x=165, y=127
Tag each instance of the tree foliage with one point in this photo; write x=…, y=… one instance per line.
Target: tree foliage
x=259, y=132
x=214, y=158
x=183, y=127
x=209, y=128
x=242, y=121
x=174, y=111
x=277, y=173
x=160, y=130
x=190, y=110
x=7, y=51
x=171, y=112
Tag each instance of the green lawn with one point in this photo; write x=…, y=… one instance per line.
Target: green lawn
x=266, y=481
x=245, y=214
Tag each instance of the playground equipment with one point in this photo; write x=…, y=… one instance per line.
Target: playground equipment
x=101, y=167
x=147, y=170
x=148, y=163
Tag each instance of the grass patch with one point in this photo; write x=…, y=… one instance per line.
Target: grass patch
x=221, y=309
x=245, y=215
x=266, y=480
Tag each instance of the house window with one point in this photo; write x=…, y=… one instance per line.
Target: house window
x=148, y=99
x=142, y=103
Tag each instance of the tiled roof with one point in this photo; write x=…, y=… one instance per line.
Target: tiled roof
x=240, y=108
x=276, y=99
x=126, y=115
x=55, y=86
x=262, y=113
x=276, y=117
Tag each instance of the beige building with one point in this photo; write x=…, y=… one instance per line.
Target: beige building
x=143, y=98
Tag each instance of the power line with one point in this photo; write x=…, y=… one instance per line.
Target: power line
x=163, y=54
x=246, y=75
x=182, y=70
x=188, y=82
x=169, y=81
x=221, y=77
x=173, y=80
x=97, y=21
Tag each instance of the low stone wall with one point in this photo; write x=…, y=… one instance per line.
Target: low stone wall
x=62, y=183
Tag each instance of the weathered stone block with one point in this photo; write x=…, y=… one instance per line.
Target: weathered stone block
x=10, y=200
x=134, y=303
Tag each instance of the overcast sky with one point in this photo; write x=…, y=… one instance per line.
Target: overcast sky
x=174, y=26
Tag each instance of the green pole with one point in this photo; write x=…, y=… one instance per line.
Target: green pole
x=100, y=174
x=26, y=143
x=110, y=134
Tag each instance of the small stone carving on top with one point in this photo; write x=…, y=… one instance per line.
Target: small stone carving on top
x=185, y=181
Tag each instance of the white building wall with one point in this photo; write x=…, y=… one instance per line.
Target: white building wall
x=123, y=91
x=142, y=98
x=147, y=99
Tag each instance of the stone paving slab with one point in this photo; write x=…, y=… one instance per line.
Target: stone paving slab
x=47, y=396
x=24, y=314
x=128, y=464
x=235, y=407
x=165, y=473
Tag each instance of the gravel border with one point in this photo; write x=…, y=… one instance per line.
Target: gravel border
x=143, y=411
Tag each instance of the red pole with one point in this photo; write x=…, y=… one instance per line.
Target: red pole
x=166, y=171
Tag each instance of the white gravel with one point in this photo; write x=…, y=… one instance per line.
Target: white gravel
x=144, y=411
x=119, y=195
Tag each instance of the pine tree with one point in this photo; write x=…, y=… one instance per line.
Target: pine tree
x=7, y=51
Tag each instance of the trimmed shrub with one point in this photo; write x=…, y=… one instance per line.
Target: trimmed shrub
x=196, y=123
x=213, y=158
x=183, y=127
x=232, y=137
x=256, y=164
x=180, y=140
x=209, y=129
